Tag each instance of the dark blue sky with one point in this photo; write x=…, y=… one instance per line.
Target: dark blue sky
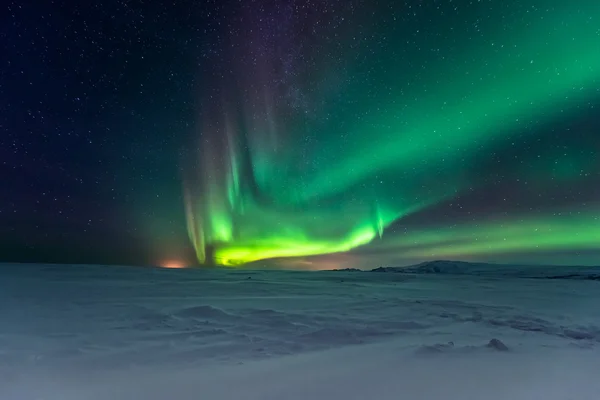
x=100, y=114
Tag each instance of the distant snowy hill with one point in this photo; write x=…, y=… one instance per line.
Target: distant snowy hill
x=444, y=267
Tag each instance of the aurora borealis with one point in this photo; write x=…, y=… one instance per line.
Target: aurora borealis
x=300, y=133
x=362, y=127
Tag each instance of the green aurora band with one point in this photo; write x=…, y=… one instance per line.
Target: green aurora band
x=531, y=233
x=276, y=182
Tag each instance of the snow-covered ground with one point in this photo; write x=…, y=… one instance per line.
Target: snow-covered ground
x=94, y=332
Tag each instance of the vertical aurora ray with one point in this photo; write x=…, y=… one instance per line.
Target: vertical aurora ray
x=296, y=163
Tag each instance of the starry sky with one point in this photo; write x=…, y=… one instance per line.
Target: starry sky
x=303, y=134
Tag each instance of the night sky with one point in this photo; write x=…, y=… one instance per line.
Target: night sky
x=317, y=134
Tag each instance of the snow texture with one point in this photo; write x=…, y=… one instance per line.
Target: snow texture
x=441, y=330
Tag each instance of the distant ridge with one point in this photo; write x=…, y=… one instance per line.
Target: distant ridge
x=447, y=267
x=348, y=270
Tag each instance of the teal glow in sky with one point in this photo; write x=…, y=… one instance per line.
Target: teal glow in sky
x=399, y=132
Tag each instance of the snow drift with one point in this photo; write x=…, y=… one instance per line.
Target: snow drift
x=451, y=331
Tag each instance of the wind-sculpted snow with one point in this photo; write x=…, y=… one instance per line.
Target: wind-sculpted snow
x=130, y=328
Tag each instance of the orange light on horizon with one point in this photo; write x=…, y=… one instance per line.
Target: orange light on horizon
x=173, y=265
